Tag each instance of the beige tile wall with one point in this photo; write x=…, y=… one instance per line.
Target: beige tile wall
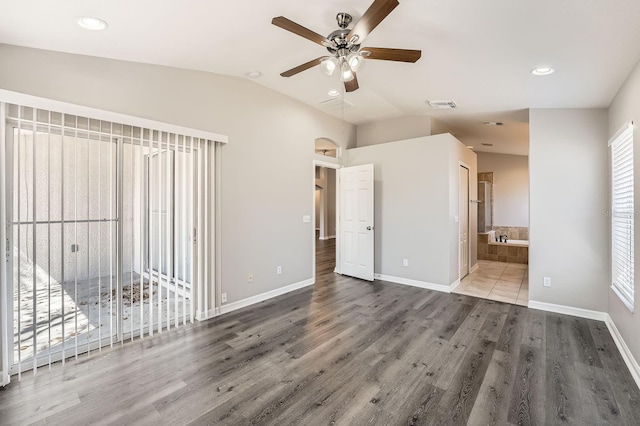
x=504, y=253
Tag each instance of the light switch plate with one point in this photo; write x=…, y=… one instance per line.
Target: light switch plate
x=306, y=219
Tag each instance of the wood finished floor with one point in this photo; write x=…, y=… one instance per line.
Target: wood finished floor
x=346, y=352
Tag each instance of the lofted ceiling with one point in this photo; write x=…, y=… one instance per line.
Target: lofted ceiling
x=478, y=53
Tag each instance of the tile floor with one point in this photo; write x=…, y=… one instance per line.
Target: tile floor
x=504, y=282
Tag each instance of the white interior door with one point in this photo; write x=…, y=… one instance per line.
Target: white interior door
x=463, y=212
x=356, y=221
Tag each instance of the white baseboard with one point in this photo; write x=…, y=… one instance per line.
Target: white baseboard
x=474, y=268
x=568, y=310
x=453, y=285
x=415, y=283
x=631, y=362
x=328, y=237
x=229, y=307
x=203, y=316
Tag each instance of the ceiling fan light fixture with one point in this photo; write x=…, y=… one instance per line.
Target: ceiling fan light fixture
x=355, y=61
x=329, y=65
x=346, y=73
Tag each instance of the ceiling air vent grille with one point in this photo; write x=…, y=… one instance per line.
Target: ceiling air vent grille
x=443, y=104
x=335, y=104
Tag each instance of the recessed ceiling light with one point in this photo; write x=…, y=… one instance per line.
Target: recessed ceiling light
x=254, y=74
x=542, y=71
x=333, y=93
x=469, y=146
x=92, y=23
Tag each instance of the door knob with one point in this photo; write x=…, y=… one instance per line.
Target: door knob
x=368, y=228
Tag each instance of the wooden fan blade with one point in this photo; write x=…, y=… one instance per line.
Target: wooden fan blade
x=305, y=66
x=289, y=25
x=378, y=10
x=401, y=55
x=351, y=86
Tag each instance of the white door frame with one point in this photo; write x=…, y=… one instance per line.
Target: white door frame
x=5, y=314
x=318, y=163
x=466, y=166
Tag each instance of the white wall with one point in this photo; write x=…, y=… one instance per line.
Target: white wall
x=393, y=129
x=415, y=208
x=510, y=187
x=266, y=168
x=317, y=207
x=625, y=107
x=569, y=197
x=331, y=195
x=325, y=202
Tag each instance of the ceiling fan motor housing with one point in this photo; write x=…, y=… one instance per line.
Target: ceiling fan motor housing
x=342, y=46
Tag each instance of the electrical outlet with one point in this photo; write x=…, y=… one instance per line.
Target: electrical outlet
x=547, y=281
x=405, y=262
x=250, y=278
x=279, y=270
x=224, y=297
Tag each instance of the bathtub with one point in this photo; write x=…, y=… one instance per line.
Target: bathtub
x=511, y=243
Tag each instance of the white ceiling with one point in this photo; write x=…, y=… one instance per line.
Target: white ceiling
x=478, y=53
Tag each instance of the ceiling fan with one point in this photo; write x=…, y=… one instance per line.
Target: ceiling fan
x=343, y=44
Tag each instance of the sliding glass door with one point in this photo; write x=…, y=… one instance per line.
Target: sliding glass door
x=104, y=227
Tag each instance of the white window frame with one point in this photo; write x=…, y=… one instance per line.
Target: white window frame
x=622, y=215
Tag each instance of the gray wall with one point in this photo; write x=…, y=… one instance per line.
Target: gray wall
x=415, y=206
x=394, y=129
x=625, y=107
x=510, y=187
x=569, y=198
x=266, y=167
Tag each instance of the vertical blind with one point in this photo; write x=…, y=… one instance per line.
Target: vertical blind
x=622, y=215
x=111, y=233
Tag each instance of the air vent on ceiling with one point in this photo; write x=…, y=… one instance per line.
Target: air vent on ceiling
x=493, y=123
x=487, y=144
x=335, y=104
x=442, y=104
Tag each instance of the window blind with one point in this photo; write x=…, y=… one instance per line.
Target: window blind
x=622, y=215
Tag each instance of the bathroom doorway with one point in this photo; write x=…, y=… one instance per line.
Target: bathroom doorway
x=325, y=204
x=503, y=230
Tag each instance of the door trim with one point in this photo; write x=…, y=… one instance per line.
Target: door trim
x=466, y=166
x=318, y=163
x=16, y=98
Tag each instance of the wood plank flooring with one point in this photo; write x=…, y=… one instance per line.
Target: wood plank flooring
x=346, y=352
